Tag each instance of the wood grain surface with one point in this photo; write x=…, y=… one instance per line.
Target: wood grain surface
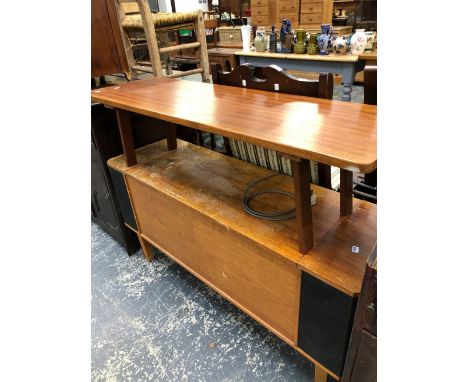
x=306, y=57
x=181, y=175
x=340, y=134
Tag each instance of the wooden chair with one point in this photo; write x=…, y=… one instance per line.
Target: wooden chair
x=156, y=25
x=367, y=189
x=274, y=79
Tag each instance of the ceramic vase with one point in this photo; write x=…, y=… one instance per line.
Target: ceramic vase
x=286, y=36
x=340, y=45
x=358, y=42
x=312, y=47
x=272, y=40
x=246, y=30
x=260, y=42
x=300, y=45
x=370, y=41
x=325, y=38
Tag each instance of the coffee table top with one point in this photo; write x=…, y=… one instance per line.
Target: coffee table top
x=340, y=134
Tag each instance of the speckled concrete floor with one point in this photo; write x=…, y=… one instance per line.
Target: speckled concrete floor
x=157, y=322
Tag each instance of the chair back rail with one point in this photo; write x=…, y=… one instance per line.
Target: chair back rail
x=274, y=79
x=370, y=97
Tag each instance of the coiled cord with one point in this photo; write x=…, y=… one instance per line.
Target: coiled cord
x=275, y=216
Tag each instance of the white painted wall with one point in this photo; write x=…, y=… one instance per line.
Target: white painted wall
x=190, y=5
x=182, y=5
x=165, y=6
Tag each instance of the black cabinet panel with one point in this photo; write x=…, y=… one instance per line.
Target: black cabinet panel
x=110, y=205
x=325, y=320
x=123, y=198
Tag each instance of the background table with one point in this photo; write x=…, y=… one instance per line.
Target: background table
x=347, y=66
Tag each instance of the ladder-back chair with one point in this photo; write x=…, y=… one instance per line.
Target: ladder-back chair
x=155, y=25
x=274, y=79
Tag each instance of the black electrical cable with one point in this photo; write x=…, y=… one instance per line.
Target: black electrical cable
x=276, y=216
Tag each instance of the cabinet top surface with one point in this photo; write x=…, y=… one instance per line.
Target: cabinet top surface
x=181, y=174
x=338, y=133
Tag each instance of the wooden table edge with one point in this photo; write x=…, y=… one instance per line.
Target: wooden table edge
x=337, y=162
x=306, y=57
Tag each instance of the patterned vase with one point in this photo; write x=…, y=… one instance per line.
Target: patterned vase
x=340, y=45
x=324, y=39
x=370, y=41
x=358, y=42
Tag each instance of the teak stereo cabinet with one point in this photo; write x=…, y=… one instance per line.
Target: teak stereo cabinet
x=186, y=201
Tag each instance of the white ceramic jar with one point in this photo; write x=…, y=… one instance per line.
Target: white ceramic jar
x=340, y=45
x=358, y=42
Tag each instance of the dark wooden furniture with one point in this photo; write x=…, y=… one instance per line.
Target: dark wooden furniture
x=110, y=205
x=274, y=79
x=345, y=65
x=224, y=57
x=370, y=85
x=105, y=208
x=107, y=50
x=361, y=360
x=197, y=220
x=367, y=189
x=360, y=13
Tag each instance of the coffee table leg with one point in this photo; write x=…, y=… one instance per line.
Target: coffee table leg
x=171, y=136
x=125, y=127
x=346, y=192
x=301, y=174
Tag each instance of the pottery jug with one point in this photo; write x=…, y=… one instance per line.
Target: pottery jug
x=272, y=40
x=340, y=45
x=325, y=38
x=370, y=41
x=260, y=42
x=358, y=42
x=312, y=47
x=300, y=45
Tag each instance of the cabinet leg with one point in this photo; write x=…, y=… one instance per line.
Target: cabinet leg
x=147, y=249
x=320, y=374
